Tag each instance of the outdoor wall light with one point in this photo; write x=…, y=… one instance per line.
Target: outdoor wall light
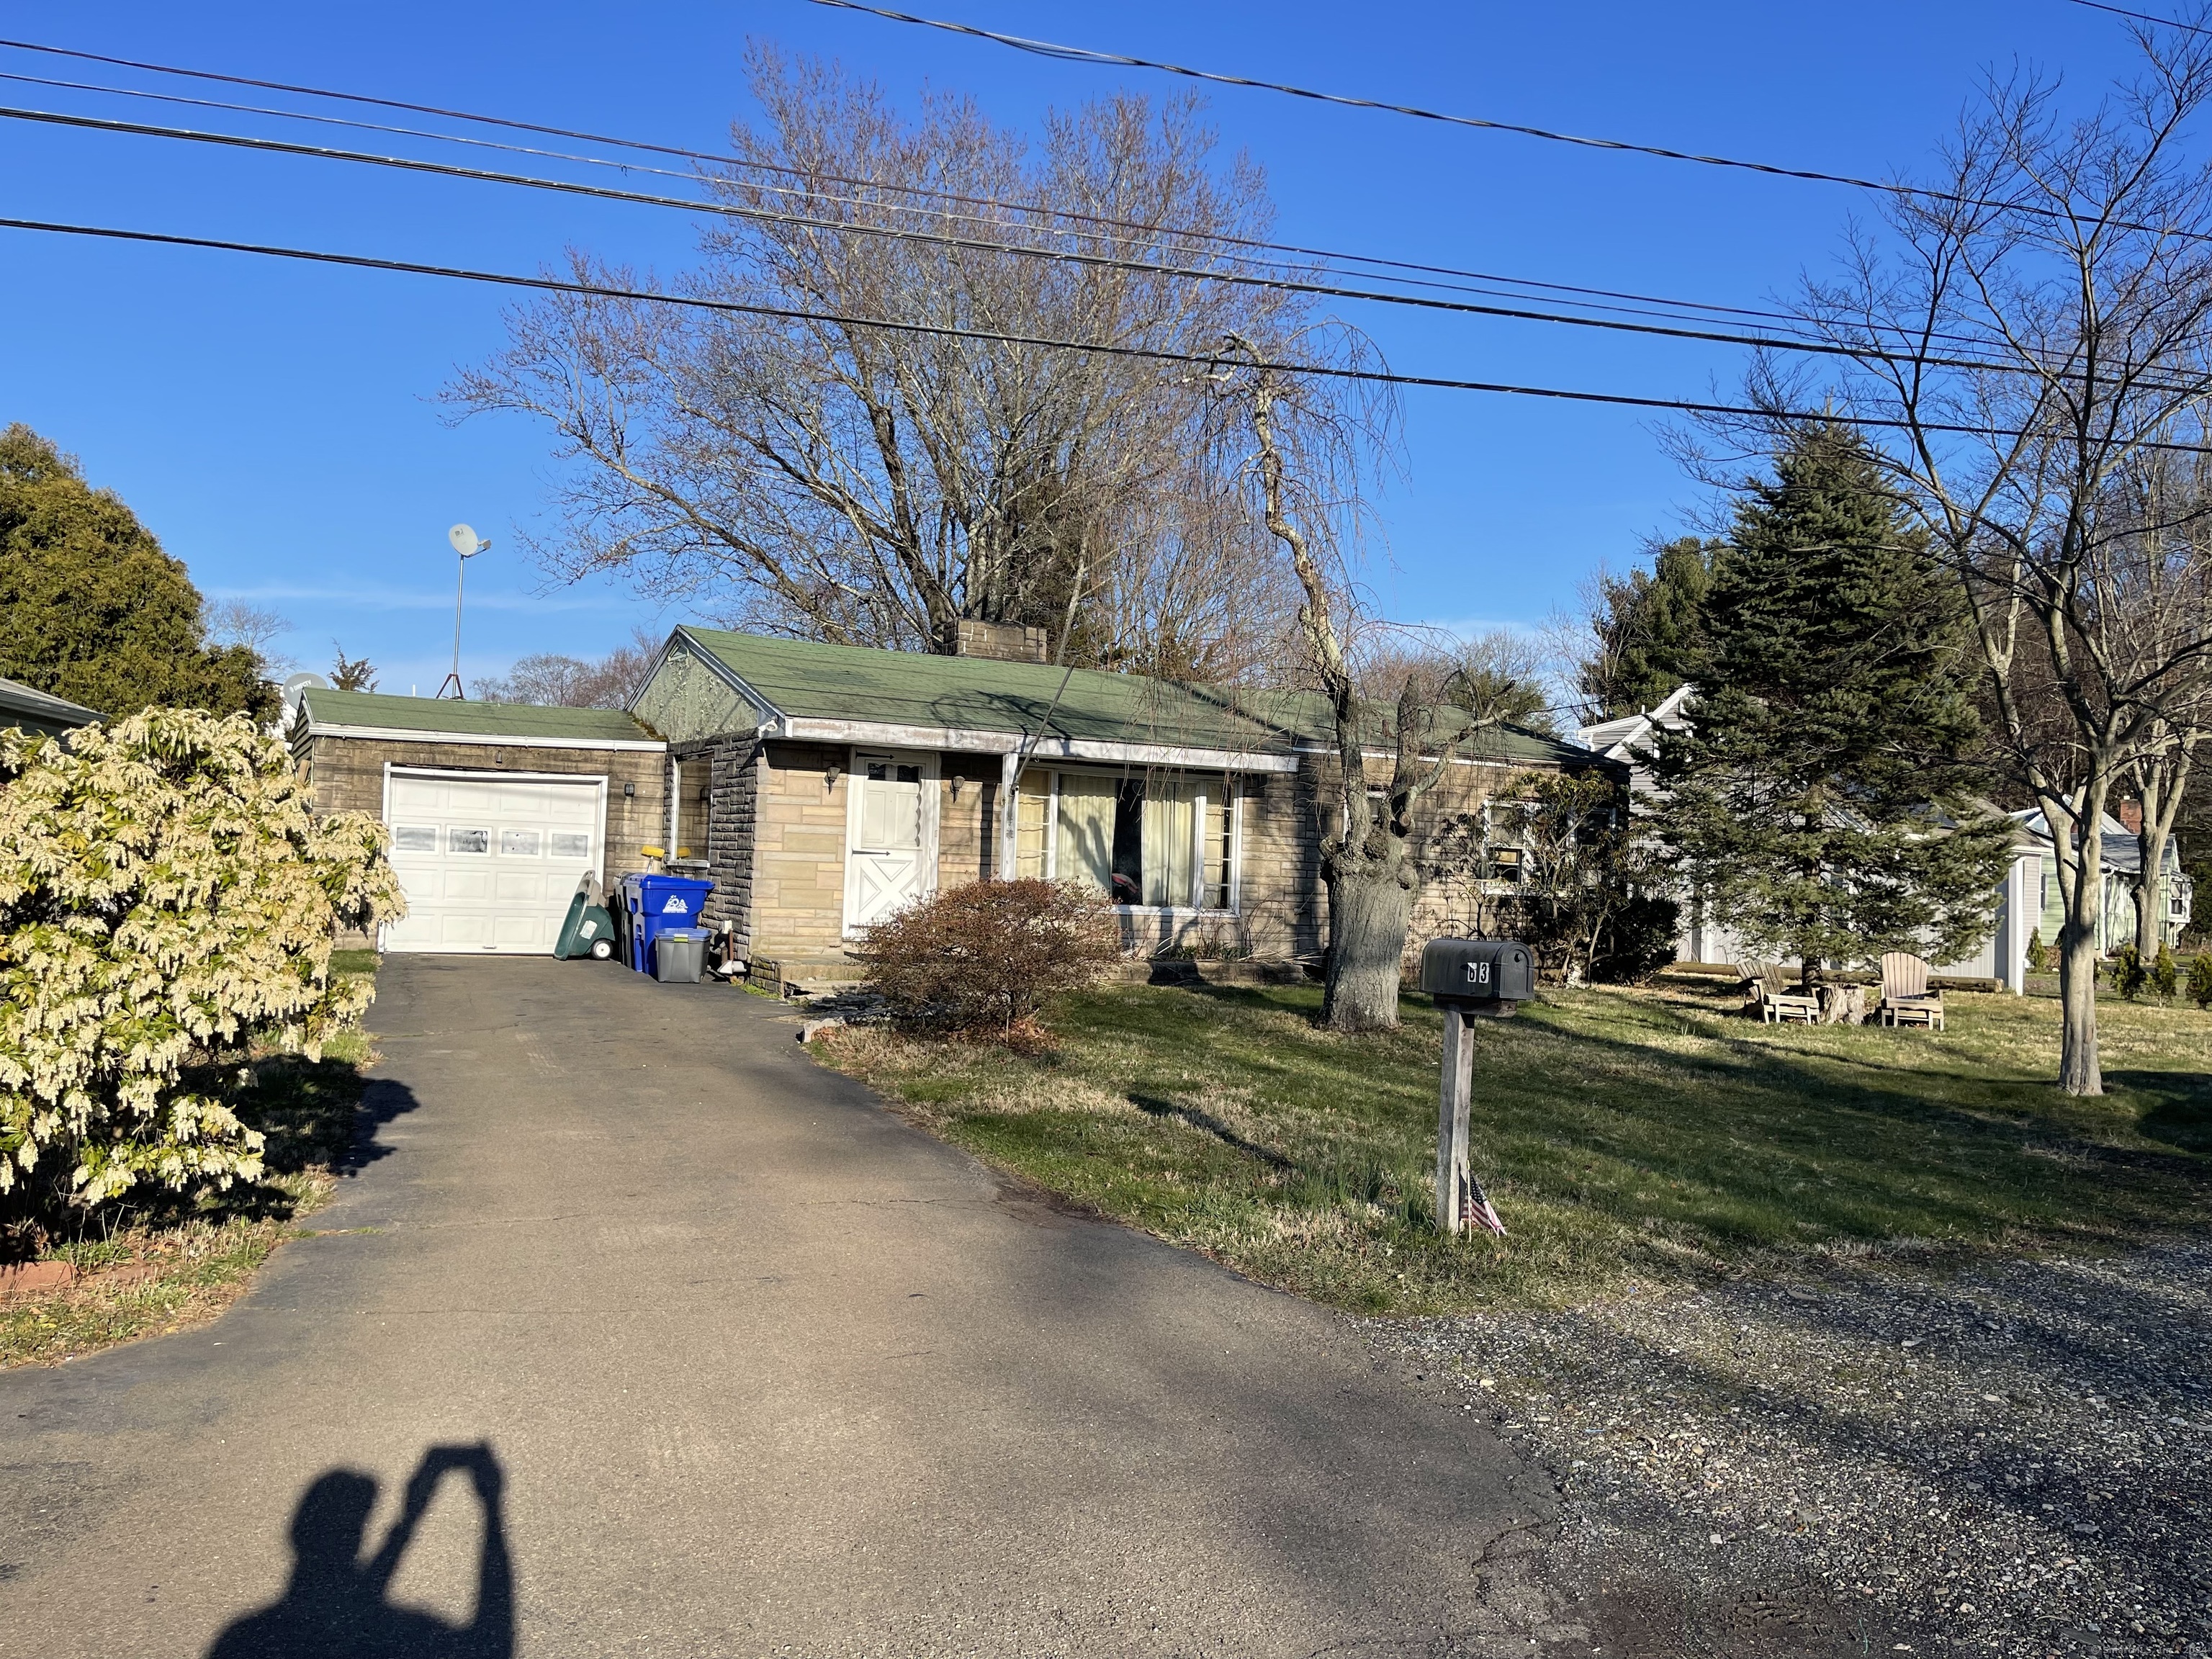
x=829, y=775
x=956, y=781
x=629, y=790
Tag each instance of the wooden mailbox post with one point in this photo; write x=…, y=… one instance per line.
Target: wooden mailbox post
x=1470, y=979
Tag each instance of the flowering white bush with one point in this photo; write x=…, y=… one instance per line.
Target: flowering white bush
x=167, y=900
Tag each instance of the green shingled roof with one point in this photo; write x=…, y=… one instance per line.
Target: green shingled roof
x=809, y=681
x=40, y=712
x=475, y=720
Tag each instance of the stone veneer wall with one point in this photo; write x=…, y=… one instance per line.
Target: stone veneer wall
x=967, y=819
x=731, y=851
x=799, y=860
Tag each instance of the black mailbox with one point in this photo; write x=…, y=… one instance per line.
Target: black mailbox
x=1478, y=970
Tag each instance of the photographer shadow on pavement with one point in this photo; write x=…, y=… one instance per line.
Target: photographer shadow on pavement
x=334, y=1605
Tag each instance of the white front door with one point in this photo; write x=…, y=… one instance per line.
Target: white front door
x=891, y=844
x=488, y=863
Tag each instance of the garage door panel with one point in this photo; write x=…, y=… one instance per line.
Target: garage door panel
x=489, y=864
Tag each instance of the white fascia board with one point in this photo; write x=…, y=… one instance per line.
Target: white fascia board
x=401, y=770
x=885, y=735
x=1494, y=761
x=768, y=714
x=479, y=739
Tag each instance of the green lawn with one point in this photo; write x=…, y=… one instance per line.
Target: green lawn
x=1650, y=1135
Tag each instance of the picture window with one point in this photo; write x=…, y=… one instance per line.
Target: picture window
x=1159, y=842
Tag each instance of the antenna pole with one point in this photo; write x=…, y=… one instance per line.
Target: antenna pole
x=460, y=581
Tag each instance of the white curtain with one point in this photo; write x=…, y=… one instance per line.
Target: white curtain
x=1087, y=832
x=1170, y=839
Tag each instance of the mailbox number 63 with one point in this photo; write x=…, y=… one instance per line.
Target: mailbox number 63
x=1477, y=973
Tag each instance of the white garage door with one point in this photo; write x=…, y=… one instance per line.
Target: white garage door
x=488, y=864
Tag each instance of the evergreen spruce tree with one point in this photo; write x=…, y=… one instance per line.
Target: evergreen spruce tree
x=1650, y=629
x=1824, y=804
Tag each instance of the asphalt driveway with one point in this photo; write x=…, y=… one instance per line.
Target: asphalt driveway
x=691, y=1348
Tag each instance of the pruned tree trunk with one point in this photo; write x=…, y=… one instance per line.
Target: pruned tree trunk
x=2081, y=886
x=2078, y=1073
x=1365, y=867
x=1370, y=910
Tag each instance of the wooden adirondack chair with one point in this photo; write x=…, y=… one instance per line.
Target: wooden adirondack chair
x=1905, y=998
x=1777, y=1001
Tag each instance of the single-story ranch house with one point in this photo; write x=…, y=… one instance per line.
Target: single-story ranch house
x=825, y=785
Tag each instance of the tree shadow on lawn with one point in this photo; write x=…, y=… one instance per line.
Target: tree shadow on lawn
x=1207, y=1123
x=2180, y=1115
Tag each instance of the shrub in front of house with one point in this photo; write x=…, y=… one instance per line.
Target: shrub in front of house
x=2129, y=972
x=983, y=959
x=2200, y=979
x=2165, y=973
x=167, y=907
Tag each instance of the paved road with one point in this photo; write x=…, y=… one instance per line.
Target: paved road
x=760, y=1370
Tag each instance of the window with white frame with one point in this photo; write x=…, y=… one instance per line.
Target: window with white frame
x=1158, y=841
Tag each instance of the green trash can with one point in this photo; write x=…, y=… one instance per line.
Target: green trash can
x=589, y=931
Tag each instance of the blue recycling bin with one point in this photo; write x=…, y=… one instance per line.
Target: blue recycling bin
x=651, y=904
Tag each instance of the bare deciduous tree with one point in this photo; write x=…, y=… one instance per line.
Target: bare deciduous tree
x=241, y=622
x=854, y=484
x=1312, y=443
x=2043, y=312
x=552, y=679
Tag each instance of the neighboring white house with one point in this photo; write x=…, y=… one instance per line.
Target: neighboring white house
x=2027, y=896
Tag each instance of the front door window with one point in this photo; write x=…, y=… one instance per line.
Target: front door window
x=886, y=867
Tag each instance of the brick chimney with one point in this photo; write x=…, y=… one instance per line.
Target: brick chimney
x=1001, y=641
x=2129, y=812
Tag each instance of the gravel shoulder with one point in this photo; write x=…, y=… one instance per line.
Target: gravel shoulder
x=2007, y=1458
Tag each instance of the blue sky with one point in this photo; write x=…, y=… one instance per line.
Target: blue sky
x=275, y=425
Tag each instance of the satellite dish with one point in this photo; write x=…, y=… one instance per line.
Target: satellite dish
x=299, y=683
x=466, y=542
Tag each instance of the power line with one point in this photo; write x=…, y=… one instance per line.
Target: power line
x=1196, y=273
x=1298, y=251
x=2143, y=17
x=1650, y=306
x=1114, y=60
x=946, y=330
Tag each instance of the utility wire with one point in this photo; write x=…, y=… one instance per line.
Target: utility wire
x=1148, y=268
x=727, y=161
x=1214, y=363
x=1921, y=192
x=2143, y=17
x=1145, y=235
x=1114, y=60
